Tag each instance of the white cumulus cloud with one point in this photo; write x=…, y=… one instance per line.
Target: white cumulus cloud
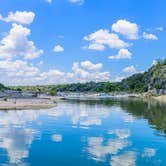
x=22, y=17
x=16, y=43
x=19, y=72
x=18, y=68
x=96, y=46
x=101, y=38
x=122, y=54
x=130, y=70
x=126, y=28
x=149, y=36
x=58, y=48
x=87, y=71
x=89, y=65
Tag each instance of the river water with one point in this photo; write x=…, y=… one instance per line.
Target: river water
x=85, y=133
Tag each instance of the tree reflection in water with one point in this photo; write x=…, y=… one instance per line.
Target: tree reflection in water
x=153, y=111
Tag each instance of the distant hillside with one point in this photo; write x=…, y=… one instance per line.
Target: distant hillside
x=153, y=81
x=157, y=82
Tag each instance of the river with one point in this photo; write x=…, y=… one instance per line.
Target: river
x=85, y=133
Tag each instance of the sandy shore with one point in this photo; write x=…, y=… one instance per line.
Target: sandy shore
x=26, y=104
x=161, y=98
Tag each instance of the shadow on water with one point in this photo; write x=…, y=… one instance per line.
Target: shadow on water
x=153, y=111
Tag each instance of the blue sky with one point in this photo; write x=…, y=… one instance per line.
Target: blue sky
x=63, y=41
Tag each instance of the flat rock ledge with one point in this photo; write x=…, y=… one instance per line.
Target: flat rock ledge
x=161, y=98
x=20, y=104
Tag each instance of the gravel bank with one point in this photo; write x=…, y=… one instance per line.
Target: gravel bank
x=26, y=104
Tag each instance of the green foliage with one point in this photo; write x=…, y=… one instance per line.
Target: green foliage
x=2, y=87
x=5, y=98
x=75, y=87
x=157, y=86
x=53, y=92
x=137, y=83
x=19, y=89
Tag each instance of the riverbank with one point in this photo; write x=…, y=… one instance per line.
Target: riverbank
x=34, y=103
x=97, y=96
x=110, y=96
x=161, y=98
x=47, y=101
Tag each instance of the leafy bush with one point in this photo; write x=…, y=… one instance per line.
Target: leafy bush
x=5, y=98
x=53, y=92
x=157, y=86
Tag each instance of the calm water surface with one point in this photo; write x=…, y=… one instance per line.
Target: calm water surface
x=87, y=133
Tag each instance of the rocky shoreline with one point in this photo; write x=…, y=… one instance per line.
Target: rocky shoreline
x=47, y=101
x=161, y=98
x=31, y=103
